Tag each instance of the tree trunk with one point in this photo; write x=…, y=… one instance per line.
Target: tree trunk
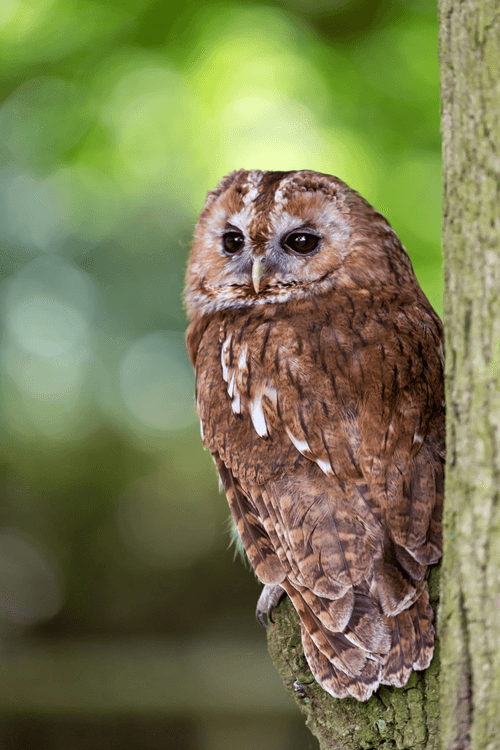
x=401, y=718
x=470, y=590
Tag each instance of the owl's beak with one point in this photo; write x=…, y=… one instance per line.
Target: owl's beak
x=257, y=271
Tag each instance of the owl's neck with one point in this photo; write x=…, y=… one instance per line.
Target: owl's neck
x=384, y=279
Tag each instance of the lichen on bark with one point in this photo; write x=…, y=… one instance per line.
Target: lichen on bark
x=393, y=719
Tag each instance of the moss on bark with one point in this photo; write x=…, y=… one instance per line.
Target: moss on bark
x=393, y=719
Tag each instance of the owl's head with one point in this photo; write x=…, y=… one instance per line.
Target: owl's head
x=270, y=237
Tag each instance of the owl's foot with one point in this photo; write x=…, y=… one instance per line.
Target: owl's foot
x=270, y=596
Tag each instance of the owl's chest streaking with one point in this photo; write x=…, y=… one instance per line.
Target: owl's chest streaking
x=327, y=381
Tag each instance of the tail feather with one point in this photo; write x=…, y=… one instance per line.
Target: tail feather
x=422, y=617
x=399, y=661
x=333, y=613
x=363, y=648
x=368, y=628
x=337, y=683
x=394, y=591
x=333, y=644
x=323, y=669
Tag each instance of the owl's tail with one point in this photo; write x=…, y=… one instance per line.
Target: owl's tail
x=370, y=650
x=412, y=642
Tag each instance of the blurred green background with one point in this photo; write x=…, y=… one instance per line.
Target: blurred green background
x=124, y=620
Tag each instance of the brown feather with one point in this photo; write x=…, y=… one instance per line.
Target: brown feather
x=399, y=661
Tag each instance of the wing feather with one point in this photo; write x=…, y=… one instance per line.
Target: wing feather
x=258, y=547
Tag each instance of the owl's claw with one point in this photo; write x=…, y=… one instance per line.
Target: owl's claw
x=260, y=618
x=270, y=596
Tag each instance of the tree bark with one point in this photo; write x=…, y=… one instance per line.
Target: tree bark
x=470, y=588
x=400, y=718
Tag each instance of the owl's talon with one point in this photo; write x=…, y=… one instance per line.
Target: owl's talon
x=300, y=690
x=269, y=598
x=260, y=619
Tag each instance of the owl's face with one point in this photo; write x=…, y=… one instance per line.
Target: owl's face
x=268, y=237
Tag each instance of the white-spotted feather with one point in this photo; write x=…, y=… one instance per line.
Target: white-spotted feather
x=257, y=415
x=224, y=357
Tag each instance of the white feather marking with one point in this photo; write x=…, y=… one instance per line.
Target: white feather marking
x=223, y=353
x=418, y=438
x=253, y=180
x=242, y=359
x=325, y=466
x=230, y=387
x=272, y=393
x=278, y=195
x=201, y=430
x=301, y=445
x=236, y=403
x=258, y=418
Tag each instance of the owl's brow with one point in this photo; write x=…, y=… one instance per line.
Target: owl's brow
x=268, y=190
x=261, y=201
x=251, y=186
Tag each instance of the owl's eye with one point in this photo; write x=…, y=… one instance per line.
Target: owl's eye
x=301, y=242
x=233, y=242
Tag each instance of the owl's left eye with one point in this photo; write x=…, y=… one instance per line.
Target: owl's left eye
x=233, y=242
x=301, y=242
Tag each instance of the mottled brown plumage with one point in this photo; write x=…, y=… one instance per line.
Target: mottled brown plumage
x=319, y=386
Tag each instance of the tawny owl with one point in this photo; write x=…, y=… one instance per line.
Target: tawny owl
x=319, y=383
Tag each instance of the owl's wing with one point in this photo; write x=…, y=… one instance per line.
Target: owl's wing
x=363, y=401
x=343, y=631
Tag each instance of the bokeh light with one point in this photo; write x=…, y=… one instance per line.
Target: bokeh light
x=30, y=582
x=157, y=383
x=164, y=527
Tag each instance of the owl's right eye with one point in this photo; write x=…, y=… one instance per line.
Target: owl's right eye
x=233, y=242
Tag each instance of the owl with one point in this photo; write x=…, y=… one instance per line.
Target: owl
x=319, y=386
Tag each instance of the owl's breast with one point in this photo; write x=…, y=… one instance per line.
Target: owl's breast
x=269, y=400
x=237, y=402
x=323, y=383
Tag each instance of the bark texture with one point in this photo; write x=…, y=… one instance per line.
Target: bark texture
x=393, y=719
x=470, y=591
